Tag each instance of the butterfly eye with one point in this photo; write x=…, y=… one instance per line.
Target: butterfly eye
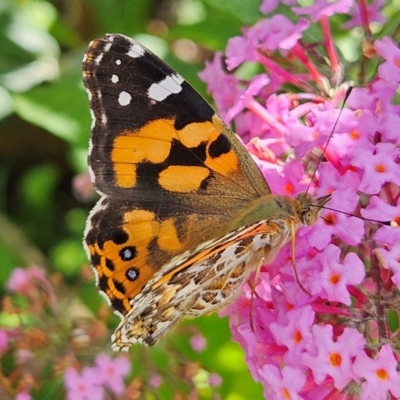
x=308, y=217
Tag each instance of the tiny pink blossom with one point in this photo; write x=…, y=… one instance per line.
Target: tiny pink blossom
x=214, y=380
x=336, y=275
x=257, y=83
x=112, y=372
x=3, y=341
x=295, y=334
x=198, y=342
x=380, y=210
x=288, y=182
x=155, y=381
x=378, y=165
x=283, y=383
x=22, y=279
x=324, y=8
x=390, y=259
x=278, y=32
x=332, y=222
x=390, y=69
x=222, y=86
x=333, y=358
x=85, y=385
x=380, y=374
x=374, y=14
x=268, y=6
x=24, y=395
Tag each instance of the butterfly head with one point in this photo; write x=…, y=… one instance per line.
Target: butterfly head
x=309, y=207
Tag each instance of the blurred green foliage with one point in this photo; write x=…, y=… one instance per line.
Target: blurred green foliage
x=44, y=129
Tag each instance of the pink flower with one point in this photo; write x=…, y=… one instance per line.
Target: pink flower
x=111, y=372
x=24, y=395
x=3, y=341
x=198, y=342
x=374, y=14
x=295, y=334
x=22, y=280
x=333, y=358
x=390, y=69
x=391, y=260
x=222, y=86
x=289, y=181
x=256, y=84
x=283, y=384
x=324, y=8
x=84, y=386
x=379, y=166
x=336, y=275
x=155, y=381
x=214, y=380
x=379, y=374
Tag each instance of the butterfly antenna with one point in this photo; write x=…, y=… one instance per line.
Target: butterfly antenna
x=348, y=91
x=387, y=223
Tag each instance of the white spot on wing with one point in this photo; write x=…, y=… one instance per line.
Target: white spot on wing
x=98, y=58
x=124, y=98
x=118, y=62
x=161, y=90
x=114, y=79
x=93, y=121
x=107, y=47
x=136, y=51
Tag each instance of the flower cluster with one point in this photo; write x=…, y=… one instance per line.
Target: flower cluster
x=50, y=343
x=338, y=340
x=91, y=383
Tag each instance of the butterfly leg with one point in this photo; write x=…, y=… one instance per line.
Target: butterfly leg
x=293, y=257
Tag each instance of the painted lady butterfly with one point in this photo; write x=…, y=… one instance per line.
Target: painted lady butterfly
x=185, y=214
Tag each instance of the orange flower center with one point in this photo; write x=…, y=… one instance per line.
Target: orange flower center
x=286, y=394
x=397, y=62
x=380, y=168
x=382, y=374
x=297, y=337
x=335, y=359
x=335, y=278
x=288, y=188
x=354, y=135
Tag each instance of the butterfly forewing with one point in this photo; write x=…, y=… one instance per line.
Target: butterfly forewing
x=152, y=129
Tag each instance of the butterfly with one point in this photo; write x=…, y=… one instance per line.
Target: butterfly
x=185, y=214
